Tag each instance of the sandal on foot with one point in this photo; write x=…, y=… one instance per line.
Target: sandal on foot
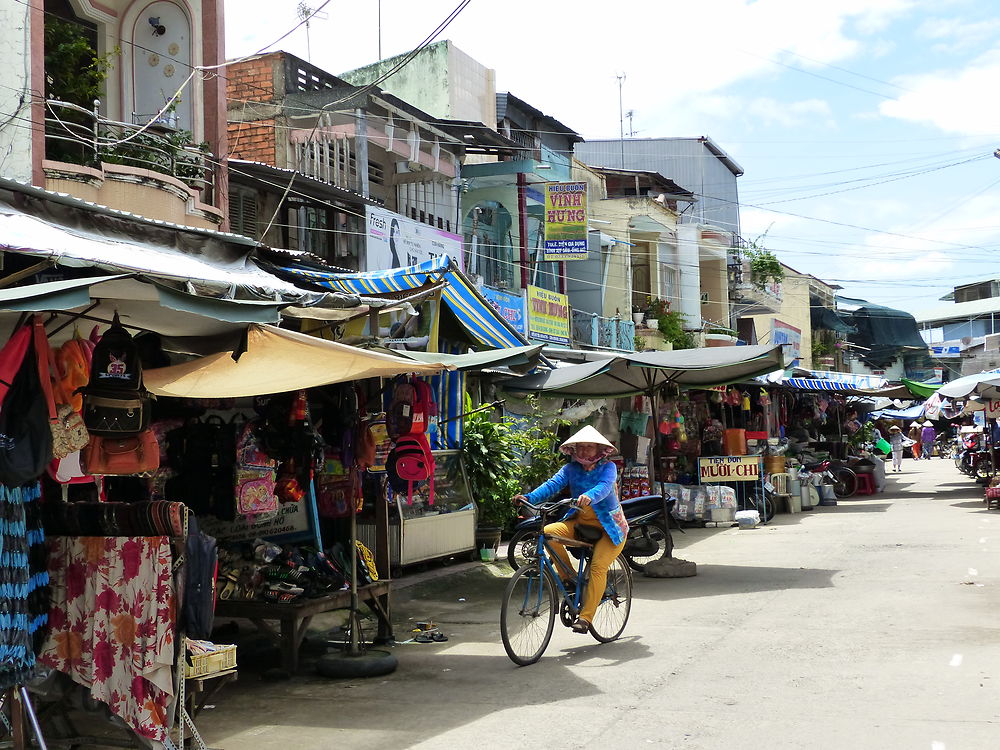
x=580, y=626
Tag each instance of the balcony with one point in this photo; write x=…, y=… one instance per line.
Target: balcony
x=748, y=297
x=598, y=332
x=155, y=170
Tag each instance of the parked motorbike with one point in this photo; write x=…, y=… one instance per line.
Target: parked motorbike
x=648, y=534
x=843, y=478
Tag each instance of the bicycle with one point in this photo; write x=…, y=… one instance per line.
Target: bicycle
x=536, y=591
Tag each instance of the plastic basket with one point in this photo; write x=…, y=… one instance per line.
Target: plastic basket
x=200, y=665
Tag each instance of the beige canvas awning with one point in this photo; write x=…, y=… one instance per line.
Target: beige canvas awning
x=276, y=361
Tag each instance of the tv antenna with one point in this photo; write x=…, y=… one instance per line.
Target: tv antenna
x=630, y=114
x=307, y=14
x=621, y=117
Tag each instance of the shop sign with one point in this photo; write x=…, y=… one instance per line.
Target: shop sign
x=548, y=316
x=289, y=523
x=992, y=409
x=782, y=333
x=394, y=241
x=729, y=469
x=509, y=306
x=565, y=221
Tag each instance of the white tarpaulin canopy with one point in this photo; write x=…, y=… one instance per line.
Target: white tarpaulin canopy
x=275, y=361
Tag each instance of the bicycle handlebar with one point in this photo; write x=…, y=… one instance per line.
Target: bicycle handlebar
x=549, y=506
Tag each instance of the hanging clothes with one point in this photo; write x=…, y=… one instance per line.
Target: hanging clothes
x=112, y=623
x=24, y=601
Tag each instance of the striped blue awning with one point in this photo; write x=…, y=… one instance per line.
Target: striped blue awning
x=473, y=310
x=816, y=384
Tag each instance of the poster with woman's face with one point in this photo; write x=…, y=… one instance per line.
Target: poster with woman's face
x=393, y=241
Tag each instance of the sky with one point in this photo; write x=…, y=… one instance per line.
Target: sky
x=865, y=128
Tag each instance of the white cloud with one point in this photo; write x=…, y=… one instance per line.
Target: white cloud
x=958, y=101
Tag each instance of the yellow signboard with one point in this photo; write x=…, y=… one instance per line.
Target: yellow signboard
x=548, y=315
x=715, y=469
x=565, y=221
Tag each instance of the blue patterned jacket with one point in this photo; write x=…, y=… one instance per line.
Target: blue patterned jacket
x=599, y=485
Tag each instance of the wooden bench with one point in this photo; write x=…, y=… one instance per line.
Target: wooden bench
x=294, y=617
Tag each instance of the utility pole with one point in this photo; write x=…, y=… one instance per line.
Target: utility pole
x=629, y=115
x=379, y=29
x=621, y=117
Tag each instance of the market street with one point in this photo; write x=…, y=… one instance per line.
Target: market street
x=867, y=625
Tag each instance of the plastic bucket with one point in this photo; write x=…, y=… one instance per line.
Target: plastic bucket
x=805, y=500
x=883, y=445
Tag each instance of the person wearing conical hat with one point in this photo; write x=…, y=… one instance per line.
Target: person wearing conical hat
x=927, y=436
x=591, y=478
x=914, y=435
x=896, y=440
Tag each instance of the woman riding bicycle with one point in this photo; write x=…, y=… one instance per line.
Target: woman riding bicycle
x=591, y=477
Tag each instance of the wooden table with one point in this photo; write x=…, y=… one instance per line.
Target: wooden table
x=294, y=617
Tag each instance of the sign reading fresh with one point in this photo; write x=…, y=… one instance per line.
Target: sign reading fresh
x=729, y=469
x=565, y=221
x=548, y=316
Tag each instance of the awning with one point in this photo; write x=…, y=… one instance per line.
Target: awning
x=519, y=359
x=275, y=361
x=913, y=412
x=921, y=390
x=979, y=384
x=473, y=311
x=631, y=374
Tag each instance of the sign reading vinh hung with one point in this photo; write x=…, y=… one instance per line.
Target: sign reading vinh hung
x=729, y=469
x=565, y=221
x=548, y=315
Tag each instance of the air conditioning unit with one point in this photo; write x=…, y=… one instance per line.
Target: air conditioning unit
x=966, y=340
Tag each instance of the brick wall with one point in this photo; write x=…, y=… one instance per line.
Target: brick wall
x=252, y=80
x=253, y=141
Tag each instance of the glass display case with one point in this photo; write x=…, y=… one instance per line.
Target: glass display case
x=421, y=531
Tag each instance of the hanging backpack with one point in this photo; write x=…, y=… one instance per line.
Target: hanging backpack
x=424, y=407
x=25, y=435
x=399, y=415
x=114, y=403
x=255, y=475
x=411, y=461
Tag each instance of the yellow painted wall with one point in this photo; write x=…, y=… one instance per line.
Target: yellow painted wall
x=794, y=311
x=715, y=283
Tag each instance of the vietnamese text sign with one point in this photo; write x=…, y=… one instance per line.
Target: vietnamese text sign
x=565, y=221
x=782, y=333
x=548, y=315
x=509, y=305
x=729, y=469
x=993, y=409
x=289, y=522
x=394, y=241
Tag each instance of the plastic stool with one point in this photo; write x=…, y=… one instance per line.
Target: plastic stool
x=866, y=484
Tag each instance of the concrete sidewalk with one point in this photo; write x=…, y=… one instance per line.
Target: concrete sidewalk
x=871, y=624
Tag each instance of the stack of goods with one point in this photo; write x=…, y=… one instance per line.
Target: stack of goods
x=264, y=571
x=634, y=482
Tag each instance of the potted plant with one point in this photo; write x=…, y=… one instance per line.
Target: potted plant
x=721, y=336
x=490, y=456
x=637, y=315
x=823, y=352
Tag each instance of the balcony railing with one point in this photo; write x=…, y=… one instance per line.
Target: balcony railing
x=591, y=329
x=78, y=135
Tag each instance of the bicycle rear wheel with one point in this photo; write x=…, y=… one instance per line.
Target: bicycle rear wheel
x=845, y=482
x=527, y=615
x=522, y=548
x=616, y=604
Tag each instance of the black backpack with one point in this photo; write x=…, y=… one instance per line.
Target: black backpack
x=114, y=402
x=200, y=568
x=25, y=435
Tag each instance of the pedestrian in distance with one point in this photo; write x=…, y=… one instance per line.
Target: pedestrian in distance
x=896, y=440
x=927, y=437
x=592, y=478
x=914, y=435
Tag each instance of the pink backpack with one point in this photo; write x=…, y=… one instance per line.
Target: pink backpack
x=255, y=476
x=424, y=408
x=411, y=461
x=399, y=415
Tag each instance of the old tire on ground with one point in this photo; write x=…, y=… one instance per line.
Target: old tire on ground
x=371, y=663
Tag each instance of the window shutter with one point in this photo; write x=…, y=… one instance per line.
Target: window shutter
x=243, y=213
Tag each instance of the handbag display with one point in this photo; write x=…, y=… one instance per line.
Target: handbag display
x=110, y=416
x=134, y=454
x=69, y=433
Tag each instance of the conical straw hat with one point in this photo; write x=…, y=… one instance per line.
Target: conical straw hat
x=587, y=435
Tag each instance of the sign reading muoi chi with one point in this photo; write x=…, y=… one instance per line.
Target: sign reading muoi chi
x=729, y=469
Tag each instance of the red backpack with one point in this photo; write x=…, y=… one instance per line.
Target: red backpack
x=399, y=415
x=424, y=408
x=411, y=461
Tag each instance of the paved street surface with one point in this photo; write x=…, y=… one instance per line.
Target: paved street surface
x=872, y=624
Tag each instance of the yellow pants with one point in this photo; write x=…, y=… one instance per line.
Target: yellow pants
x=605, y=553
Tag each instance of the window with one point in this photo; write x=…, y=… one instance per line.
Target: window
x=243, y=212
x=376, y=173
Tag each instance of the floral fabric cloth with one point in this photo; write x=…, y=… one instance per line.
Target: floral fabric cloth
x=112, y=623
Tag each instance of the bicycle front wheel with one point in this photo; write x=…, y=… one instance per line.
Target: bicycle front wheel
x=527, y=615
x=616, y=604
